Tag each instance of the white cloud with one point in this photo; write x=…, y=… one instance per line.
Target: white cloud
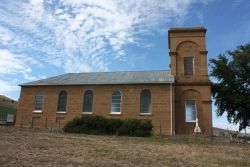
x=86, y=35
x=6, y=87
x=11, y=63
x=6, y=36
x=13, y=68
x=17, y=64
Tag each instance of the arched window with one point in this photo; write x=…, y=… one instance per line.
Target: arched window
x=38, y=101
x=116, y=102
x=145, y=106
x=88, y=101
x=62, y=101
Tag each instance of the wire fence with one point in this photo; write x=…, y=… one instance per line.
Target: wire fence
x=6, y=118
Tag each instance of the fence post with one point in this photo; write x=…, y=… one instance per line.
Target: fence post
x=5, y=118
x=212, y=134
x=160, y=129
x=21, y=122
x=32, y=122
x=46, y=123
x=59, y=123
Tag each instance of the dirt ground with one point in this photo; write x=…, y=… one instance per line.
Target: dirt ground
x=29, y=147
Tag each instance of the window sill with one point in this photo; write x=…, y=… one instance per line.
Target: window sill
x=190, y=121
x=87, y=113
x=146, y=114
x=61, y=112
x=113, y=113
x=37, y=112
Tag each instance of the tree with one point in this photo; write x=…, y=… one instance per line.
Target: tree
x=231, y=91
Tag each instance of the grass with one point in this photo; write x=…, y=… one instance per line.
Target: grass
x=29, y=147
x=6, y=110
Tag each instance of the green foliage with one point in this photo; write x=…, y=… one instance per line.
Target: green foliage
x=113, y=125
x=99, y=125
x=232, y=89
x=87, y=125
x=6, y=110
x=133, y=127
x=129, y=127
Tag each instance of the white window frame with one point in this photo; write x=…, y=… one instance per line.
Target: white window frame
x=116, y=113
x=150, y=107
x=190, y=121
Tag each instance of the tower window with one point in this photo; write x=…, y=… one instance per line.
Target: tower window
x=188, y=65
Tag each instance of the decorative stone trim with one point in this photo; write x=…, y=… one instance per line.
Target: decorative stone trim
x=172, y=53
x=37, y=112
x=87, y=113
x=115, y=114
x=204, y=52
x=207, y=101
x=145, y=114
x=61, y=112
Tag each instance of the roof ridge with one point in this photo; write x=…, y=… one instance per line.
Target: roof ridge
x=117, y=71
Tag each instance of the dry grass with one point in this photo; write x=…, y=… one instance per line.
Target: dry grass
x=28, y=147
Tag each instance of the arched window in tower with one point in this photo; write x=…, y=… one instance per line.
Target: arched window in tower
x=62, y=101
x=145, y=100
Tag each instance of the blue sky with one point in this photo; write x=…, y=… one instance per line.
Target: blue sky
x=39, y=39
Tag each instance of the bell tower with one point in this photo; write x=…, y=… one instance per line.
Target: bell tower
x=188, y=54
x=192, y=88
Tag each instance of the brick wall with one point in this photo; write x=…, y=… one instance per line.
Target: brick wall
x=202, y=96
x=130, y=107
x=190, y=42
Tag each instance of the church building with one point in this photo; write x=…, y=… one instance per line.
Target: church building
x=175, y=100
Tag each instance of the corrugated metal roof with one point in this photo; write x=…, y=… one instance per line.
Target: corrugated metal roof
x=107, y=78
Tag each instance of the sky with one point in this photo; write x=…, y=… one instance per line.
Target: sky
x=40, y=39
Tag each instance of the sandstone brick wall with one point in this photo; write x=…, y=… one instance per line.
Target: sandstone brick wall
x=130, y=107
x=183, y=43
x=202, y=96
x=188, y=44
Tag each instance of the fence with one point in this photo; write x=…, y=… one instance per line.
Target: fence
x=7, y=118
